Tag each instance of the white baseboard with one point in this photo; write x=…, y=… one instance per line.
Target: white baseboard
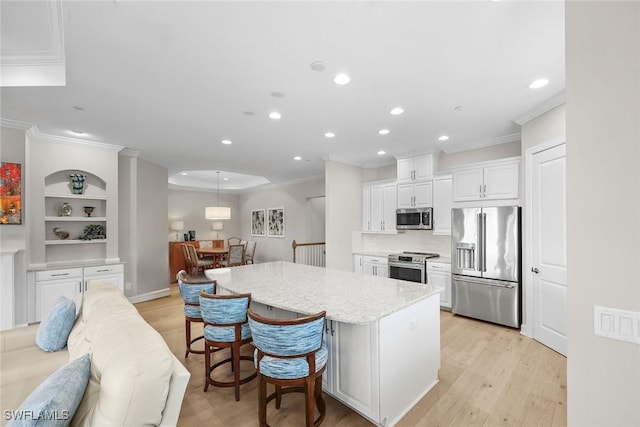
x=149, y=296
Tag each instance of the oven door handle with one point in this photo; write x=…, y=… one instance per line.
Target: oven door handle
x=403, y=265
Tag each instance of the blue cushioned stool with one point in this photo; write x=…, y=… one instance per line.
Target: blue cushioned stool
x=190, y=288
x=225, y=326
x=290, y=355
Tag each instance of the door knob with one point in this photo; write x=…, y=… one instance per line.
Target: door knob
x=535, y=270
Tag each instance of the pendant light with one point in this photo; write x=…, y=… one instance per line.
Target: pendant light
x=217, y=212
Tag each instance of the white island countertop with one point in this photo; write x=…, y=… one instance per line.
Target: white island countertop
x=347, y=297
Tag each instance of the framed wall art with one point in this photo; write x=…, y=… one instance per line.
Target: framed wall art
x=275, y=226
x=10, y=193
x=257, y=222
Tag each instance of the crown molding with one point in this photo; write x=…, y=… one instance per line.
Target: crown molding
x=14, y=124
x=129, y=153
x=459, y=147
x=365, y=165
x=35, y=135
x=549, y=104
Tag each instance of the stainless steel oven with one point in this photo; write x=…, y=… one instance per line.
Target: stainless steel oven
x=410, y=266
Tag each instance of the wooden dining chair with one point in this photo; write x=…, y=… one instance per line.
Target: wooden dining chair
x=198, y=263
x=236, y=256
x=249, y=252
x=233, y=241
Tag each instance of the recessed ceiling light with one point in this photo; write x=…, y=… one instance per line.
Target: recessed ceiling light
x=277, y=94
x=225, y=179
x=383, y=131
x=79, y=108
x=248, y=113
x=317, y=66
x=183, y=173
x=329, y=134
x=443, y=138
x=297, y=158
x=226, y=142
x=396, y=111
x=381, y=152
x=275, y=115
x=537, y=84
x=341, y=79
x=458, y=108
x=77, y=132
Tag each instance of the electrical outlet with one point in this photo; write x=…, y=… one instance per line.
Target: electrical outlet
x=127, y=286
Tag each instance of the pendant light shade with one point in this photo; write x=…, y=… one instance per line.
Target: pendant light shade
x=217, y=212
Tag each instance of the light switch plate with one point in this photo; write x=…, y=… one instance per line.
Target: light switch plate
x=616, y=324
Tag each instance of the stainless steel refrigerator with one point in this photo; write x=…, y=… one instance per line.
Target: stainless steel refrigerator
x=486, y=263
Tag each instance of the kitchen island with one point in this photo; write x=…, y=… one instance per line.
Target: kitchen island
x=383, y=334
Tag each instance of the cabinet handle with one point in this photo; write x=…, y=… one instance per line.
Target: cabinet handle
x=86, y=283
x=59, y=274
x=102, y=271
x=480, y=190
x=79, y=287
x=332, y=328
x=484, y=190
x=326, y=326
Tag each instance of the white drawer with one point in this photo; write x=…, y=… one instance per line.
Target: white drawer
x=66, y=273
x=438, y=266
x=103, y=269
x=375, y=259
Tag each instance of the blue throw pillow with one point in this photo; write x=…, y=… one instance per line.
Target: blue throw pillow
x=56, y=400
x=54, y=330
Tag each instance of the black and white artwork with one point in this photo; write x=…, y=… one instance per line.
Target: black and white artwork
x=275, y=227
x=257, y=222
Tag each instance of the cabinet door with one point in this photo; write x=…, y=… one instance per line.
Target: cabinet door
x=358, y=266
x=467, y=185
x=356, y=368
x=114, y=279
x=423, y=193
x=405, y=170
x=390, y=204
x=47, y=293
x=438, y=278
x=369, y=268
x=501, y=182
x=442, y=203
x=377, y=207
x=382, y=270
x=405, y=196
x=329, y=372
x=423, y=167
x=366, y=209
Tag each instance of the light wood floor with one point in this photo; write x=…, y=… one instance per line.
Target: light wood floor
x=490, y=376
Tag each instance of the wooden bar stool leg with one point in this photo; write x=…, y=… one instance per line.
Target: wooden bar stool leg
x=278, y=396
x=235, y=354
x=207, y=364
x=187, y=333
x=262, y=401
x=308, y=401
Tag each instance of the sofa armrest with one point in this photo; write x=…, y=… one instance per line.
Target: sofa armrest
x=18, y=338
x=177, y=387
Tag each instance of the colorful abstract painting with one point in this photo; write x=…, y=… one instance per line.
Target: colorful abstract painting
x=10, y=193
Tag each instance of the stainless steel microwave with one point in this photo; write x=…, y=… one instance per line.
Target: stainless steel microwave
x=414, y=219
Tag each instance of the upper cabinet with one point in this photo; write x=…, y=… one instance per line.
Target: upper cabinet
x=442, y=203
x=418, y=195
x=417, y=168
x=487, y=181
x=379, y=207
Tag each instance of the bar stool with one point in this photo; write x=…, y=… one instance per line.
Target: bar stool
x=190, y=288
x=225, y=326
x=290, y=355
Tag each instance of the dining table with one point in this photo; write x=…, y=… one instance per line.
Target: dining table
x=218, y=254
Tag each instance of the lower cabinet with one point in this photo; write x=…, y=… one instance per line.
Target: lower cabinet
x=48, y=285
x=375, y=266
x=383, y=368
x=272, y=312
x=439, y=274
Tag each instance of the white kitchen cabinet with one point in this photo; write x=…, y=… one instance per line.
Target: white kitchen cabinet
x=113, y=274
x=51, y=284
x=416, y=168
x=358, y=264
x=375, y=266
x=418, y=195
x=272, y=312
x=488, y=181
x=379, y=207
x=439, y=274
x=442, y=204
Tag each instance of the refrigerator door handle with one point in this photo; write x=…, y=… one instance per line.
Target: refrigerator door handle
x=483, y=232
x=480, y=242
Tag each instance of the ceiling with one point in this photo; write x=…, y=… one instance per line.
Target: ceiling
x=173, y=79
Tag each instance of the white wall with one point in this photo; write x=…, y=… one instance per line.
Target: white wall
x=143, y=210
x=603, y=206
x=293, y=198
x=494, y=152
x=188, y=206
x=343, y=188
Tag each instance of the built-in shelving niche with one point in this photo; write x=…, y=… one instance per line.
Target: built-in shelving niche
x=58, y=190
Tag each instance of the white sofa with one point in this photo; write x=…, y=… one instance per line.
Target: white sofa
x=135, y=379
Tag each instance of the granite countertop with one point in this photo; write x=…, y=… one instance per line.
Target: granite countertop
x=347, y=297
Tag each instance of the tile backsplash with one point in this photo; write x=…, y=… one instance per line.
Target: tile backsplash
x=410, y=240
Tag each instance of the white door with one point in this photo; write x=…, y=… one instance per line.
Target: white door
x=548, y=245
